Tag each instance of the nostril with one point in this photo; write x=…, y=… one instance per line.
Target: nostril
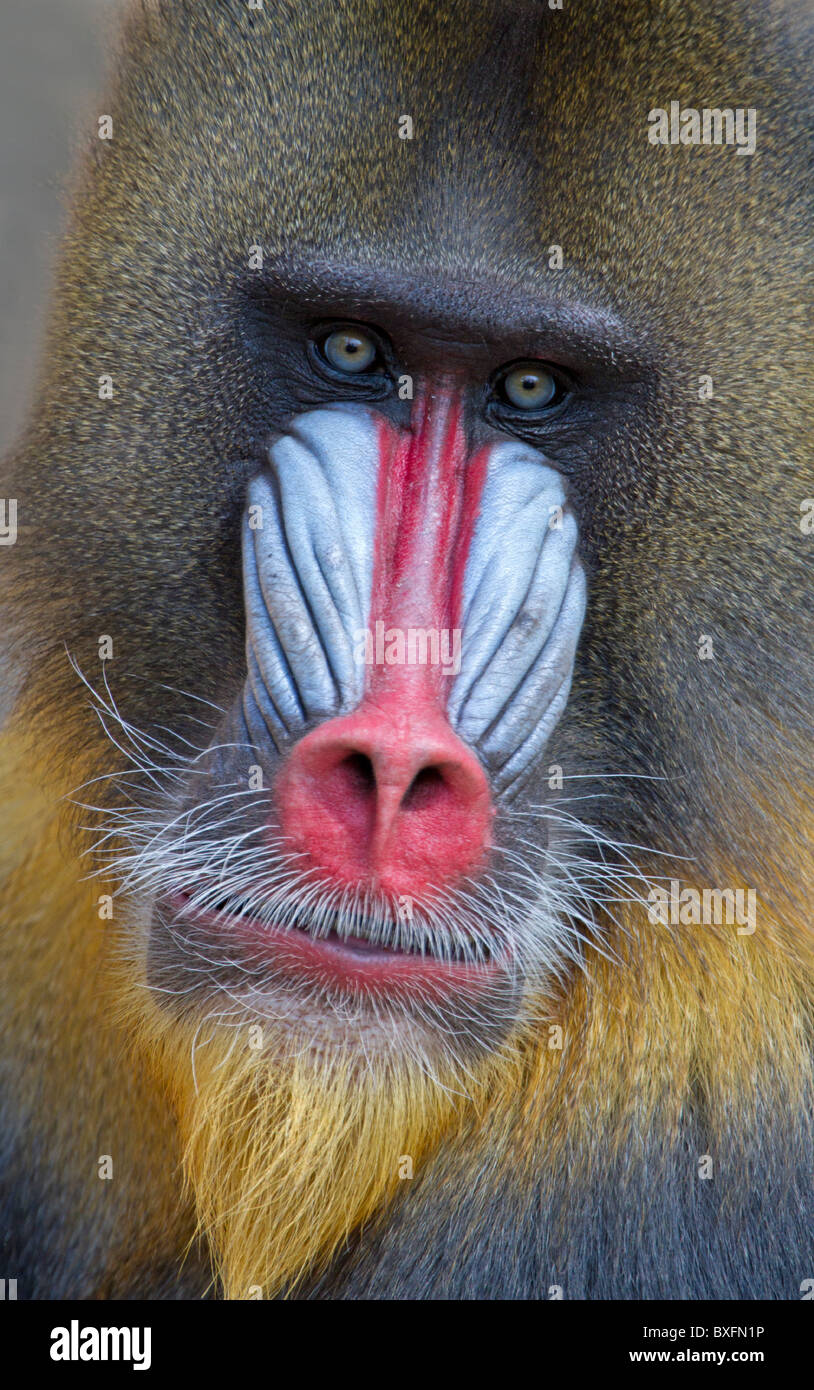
x=359, y=771
x=428, y=786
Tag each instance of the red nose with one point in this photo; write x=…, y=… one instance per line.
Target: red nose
x=387, y=797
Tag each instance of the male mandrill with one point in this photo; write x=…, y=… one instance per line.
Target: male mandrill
x=333, y=968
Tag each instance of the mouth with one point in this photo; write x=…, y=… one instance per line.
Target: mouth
x=347, y=951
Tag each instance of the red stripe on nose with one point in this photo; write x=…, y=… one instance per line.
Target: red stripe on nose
x=428, y=496
x=389, y=795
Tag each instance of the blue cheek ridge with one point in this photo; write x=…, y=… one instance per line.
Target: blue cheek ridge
x=308, y=567
x=524, y=605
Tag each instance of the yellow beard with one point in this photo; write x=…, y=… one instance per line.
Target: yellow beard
x=290, y=1149
x=288, y=1152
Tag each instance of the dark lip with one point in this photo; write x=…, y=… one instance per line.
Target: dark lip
x=332, y=962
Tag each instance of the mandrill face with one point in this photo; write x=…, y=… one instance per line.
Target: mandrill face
x=344, y=854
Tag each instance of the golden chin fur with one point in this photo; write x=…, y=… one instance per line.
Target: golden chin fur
x=286, y=1151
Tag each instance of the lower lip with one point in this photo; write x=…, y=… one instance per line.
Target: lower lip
x=361, y=970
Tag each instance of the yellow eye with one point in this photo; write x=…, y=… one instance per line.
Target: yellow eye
x=529, y=386
x=349, y=350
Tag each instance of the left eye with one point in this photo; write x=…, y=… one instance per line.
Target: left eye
x=529, y=386
x=349, y=350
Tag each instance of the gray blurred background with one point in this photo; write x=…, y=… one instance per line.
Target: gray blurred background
x=52, y=62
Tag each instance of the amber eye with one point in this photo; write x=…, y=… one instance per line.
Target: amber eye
x=349, y=350
x=529, y=386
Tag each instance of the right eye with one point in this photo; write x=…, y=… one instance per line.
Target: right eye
x=349, y=350
x=530, y=387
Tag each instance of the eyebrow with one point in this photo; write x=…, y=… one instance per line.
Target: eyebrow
x=480, y=306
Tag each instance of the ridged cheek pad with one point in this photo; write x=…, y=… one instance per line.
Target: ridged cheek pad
x=310, y=558
x=523, y=608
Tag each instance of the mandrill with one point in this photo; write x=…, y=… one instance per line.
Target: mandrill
x=408, y=666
